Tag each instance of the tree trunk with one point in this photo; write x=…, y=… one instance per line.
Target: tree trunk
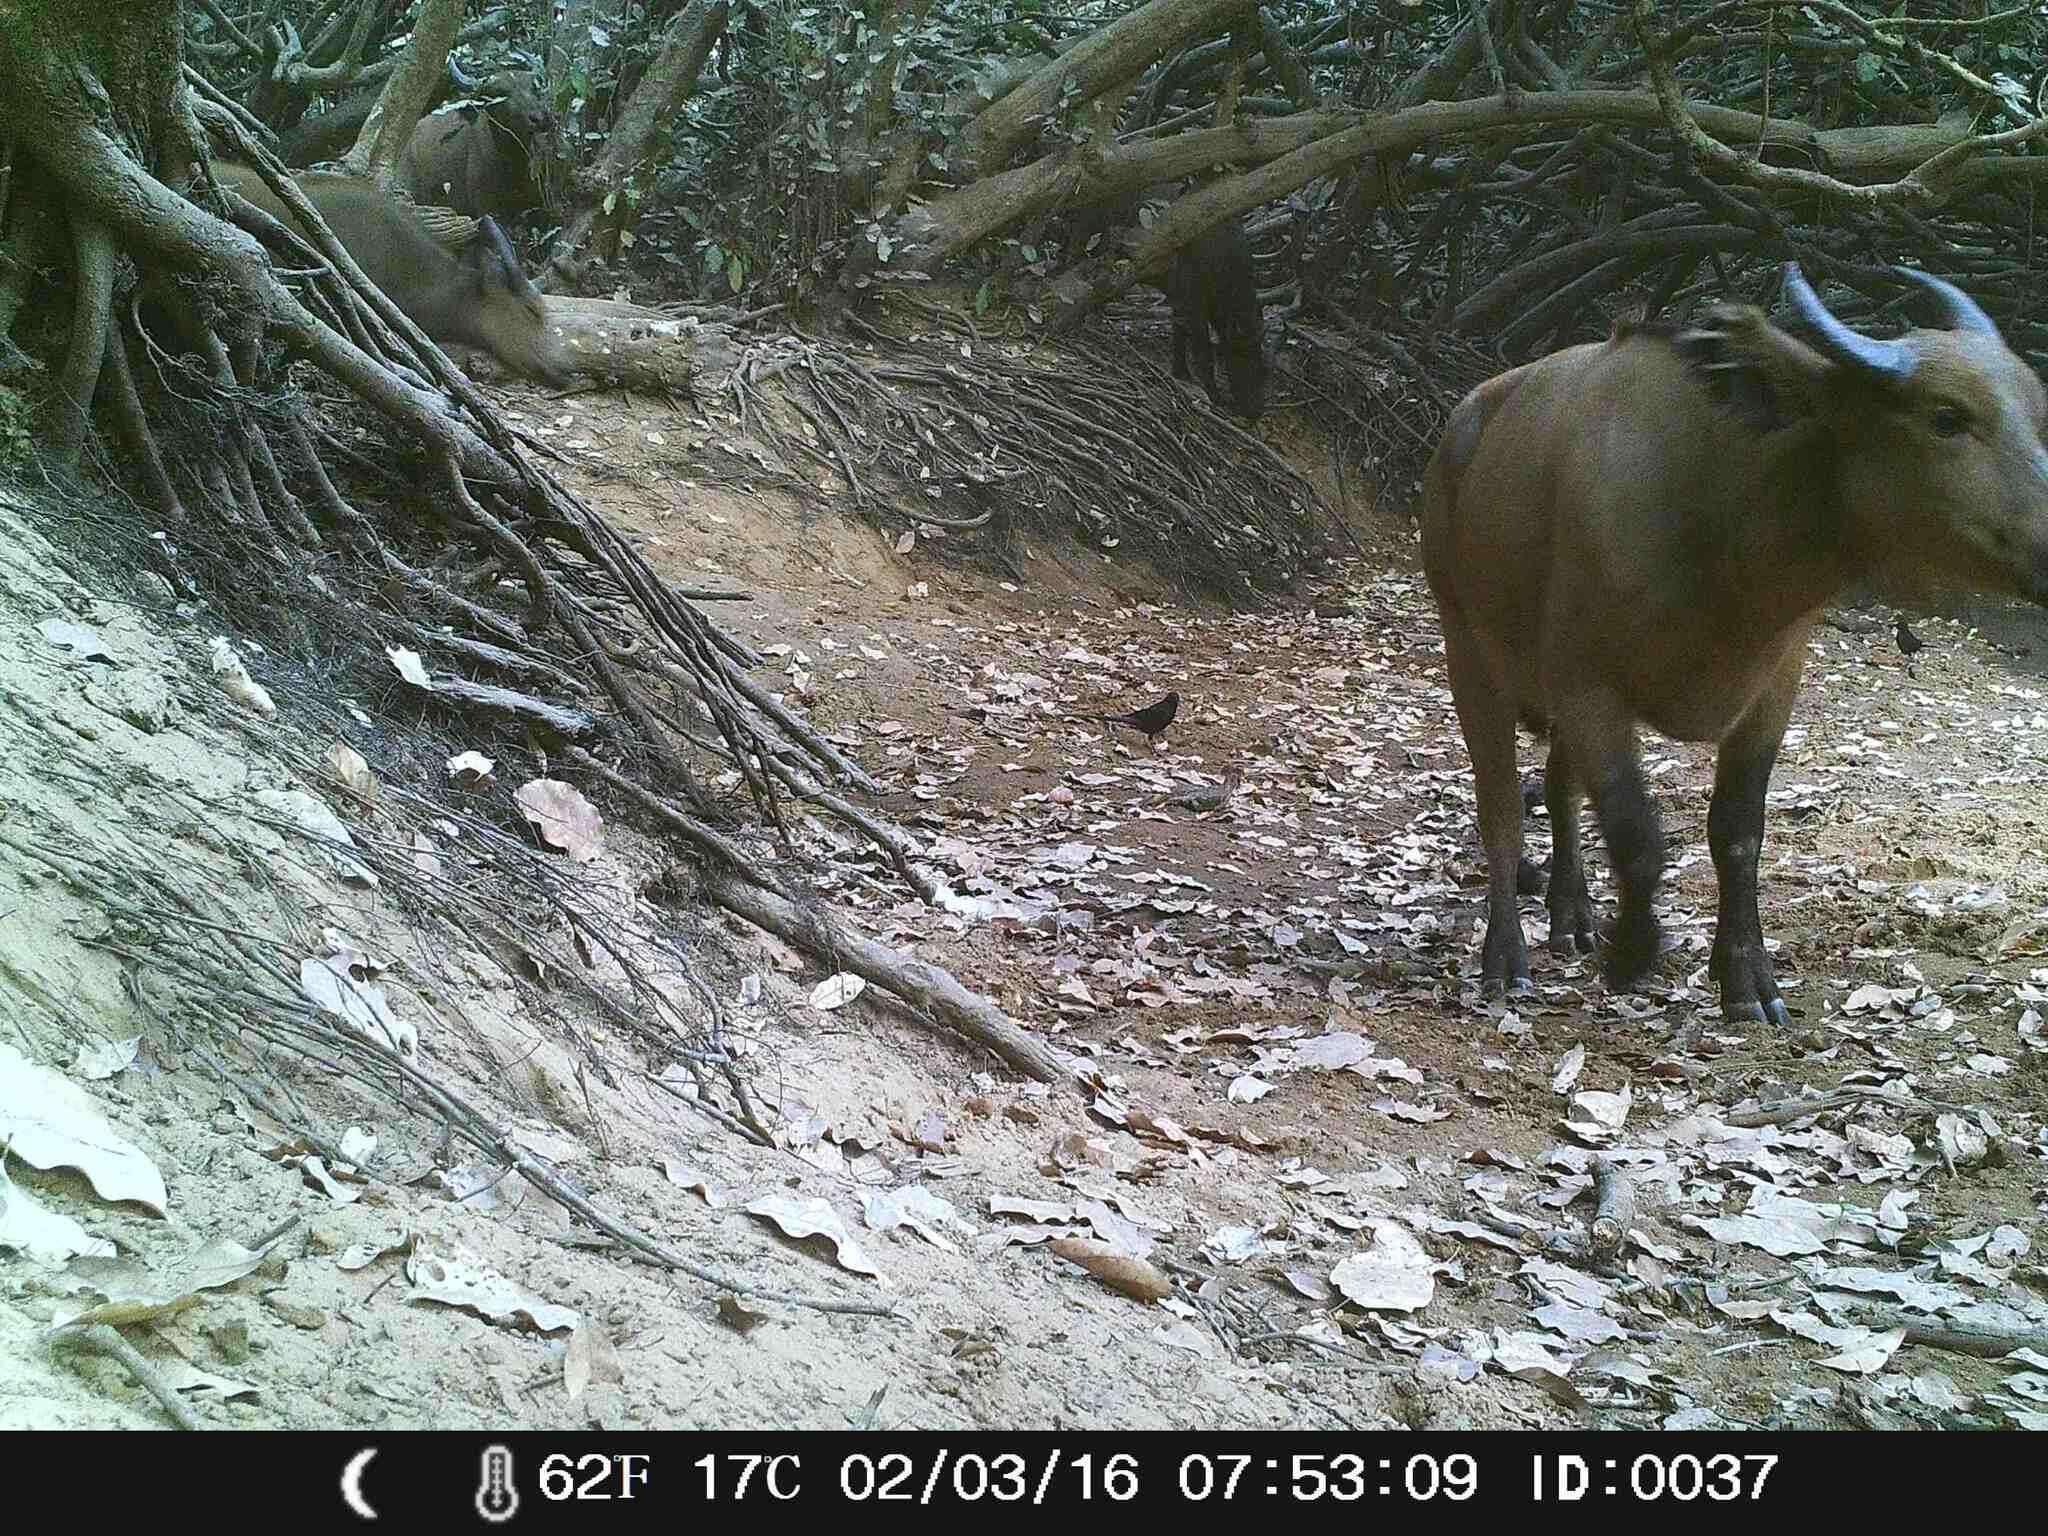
x=391, y=121
x=1102, y=61
x=619, y=180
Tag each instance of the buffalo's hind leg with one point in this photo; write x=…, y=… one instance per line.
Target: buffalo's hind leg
x=1597, y=732
x=1531, y=878
x=1488, y=720
x=1571, y=908
x=1735, y=834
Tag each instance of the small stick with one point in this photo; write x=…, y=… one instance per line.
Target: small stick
x=1614, y=1209
x=100, y=1339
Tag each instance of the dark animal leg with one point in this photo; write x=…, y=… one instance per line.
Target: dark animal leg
x=1601, y=739
x=1531, y=878
x=1488, y=722
x=1180, y=348
x=1571, y=909
x=1735, y=833
x=1205, y=355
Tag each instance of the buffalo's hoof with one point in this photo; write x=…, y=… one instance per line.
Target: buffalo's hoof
x=1632, y=949
x=1494, y=989
x=1770, y=1011
x=1749, y=988
x=1571, y=928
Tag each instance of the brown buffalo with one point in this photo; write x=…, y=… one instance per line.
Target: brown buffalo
x=476, y=296
x=480, y=159
x=1644, y=531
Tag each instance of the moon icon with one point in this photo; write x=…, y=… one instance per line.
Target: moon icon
x=352, y=1485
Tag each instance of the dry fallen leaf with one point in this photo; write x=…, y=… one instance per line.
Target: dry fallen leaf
x=363, y=1255
x=235, y=681
x=837, y=991
x=103, y=1058
x=1119, y=1271
x=917, y=1208
x=316, y=819
x=48, y=1121
x=562, y=817
x=339, y=981
x=590, y=1357
x=684, y=1177
x=800, y=1218
x=345, y=765
x=409, y=666
x=44, y=1235
x=470, y=768
x=737, y=1317
x=463, y=1280
x=1394, y=1275
x=75, y=638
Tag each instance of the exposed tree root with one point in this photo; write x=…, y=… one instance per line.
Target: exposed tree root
x=326, y=471
x=1096, y=450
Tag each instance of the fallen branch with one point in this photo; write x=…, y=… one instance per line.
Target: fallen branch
x=925, y=987
x=636, y=348
x=1984, y=1343
x=1614, y=1208
x=101, y=1339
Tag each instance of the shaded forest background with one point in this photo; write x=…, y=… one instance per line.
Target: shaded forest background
x=1509, y=170
x=1009, y=137
x=1435, y=190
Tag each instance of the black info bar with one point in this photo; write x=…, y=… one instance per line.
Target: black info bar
x=631, y=1480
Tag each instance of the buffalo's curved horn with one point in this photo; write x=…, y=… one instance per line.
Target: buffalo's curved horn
x=497, y=245
x=1957, y=307
x=1891, y=359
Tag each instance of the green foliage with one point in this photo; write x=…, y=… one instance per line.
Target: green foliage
x=814, y=119
x=17, y=431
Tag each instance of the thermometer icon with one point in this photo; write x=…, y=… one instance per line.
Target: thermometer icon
x=496, y=1499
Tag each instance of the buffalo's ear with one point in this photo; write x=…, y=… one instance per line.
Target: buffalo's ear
x=1765, y=375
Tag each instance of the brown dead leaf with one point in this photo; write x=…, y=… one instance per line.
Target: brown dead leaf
x=562, y=817
x=590, y=1357
x=345, y=765
x=737, y=1317
x=1119, y=1271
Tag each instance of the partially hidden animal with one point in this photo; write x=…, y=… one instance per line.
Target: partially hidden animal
x=1211, y=287
x=476, y=295
x=1644, y=530
x=480, y=159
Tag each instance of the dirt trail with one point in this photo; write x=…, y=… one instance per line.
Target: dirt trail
x=1304, y=1101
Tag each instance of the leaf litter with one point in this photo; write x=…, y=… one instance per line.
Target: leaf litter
x=1247, y=951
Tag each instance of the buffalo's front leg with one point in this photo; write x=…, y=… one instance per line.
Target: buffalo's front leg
x=1600, y=738
x=1735, y=833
